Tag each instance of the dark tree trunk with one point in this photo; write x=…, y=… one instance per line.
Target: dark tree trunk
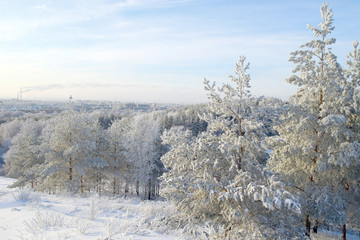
x=126, y=190
x=149, y=185
x=344, y=232
x=137, y=188
x=307, y=225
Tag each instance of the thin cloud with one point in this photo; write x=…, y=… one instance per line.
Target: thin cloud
x=61, y=86
x=146, y=44
x=43, y=7
x=40, y=88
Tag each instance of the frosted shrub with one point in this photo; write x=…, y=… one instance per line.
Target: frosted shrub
x=113, y=227
x=94, y=210
x=159, y=216
x=45, y=220
x=82, y=225
x=26, y=196
x=155, y=209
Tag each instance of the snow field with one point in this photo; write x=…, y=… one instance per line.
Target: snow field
x=32, y=215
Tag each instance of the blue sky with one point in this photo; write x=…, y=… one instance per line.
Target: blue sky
x=156, y=50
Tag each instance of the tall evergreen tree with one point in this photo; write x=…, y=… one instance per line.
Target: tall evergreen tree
x=219, y=176
x=316, y=150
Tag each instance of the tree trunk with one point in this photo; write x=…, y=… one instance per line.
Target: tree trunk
x=114, y=186
x=82, y=184
x=149, y=185
x=137, y=188
x=344, y=232
x=307, y=225
x=70, y=159
x=241, y=148
x=126, y=190
x=70, y=169
x=316, y=225
x=99, y=183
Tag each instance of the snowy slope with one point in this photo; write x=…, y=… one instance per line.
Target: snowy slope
x=31, y=215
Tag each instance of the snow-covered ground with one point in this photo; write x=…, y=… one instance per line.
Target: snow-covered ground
x=30, y=215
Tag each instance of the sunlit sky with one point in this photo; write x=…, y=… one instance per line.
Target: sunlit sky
x=156, y=50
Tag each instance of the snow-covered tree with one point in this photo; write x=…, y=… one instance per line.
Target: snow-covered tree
x=317, y=152
x=69, y=148
x=219, y=176
x=8, y=130
x=141, y=141
x=96, y=172
x=352, y=187
x=24, y=158
x=187, y=116
x=118, y=168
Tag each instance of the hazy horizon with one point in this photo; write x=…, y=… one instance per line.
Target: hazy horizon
x=156, y=51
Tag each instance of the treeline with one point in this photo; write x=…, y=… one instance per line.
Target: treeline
x=81, y=152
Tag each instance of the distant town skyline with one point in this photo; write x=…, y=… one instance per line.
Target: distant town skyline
x=156, y=50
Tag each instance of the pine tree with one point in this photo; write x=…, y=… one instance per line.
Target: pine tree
x=114, y=155
x=24, y=154
x=69, y=148
x=352, y=151
x=315, y=150
x=220, y=176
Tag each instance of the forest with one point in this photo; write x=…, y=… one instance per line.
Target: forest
x=249, y=167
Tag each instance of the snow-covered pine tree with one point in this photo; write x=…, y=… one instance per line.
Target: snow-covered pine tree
x=219, y=176
x=24, y=156
x=114, y=155
x=352, y=186
x=69, y=147
x=316, y=152
x=97, y=164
